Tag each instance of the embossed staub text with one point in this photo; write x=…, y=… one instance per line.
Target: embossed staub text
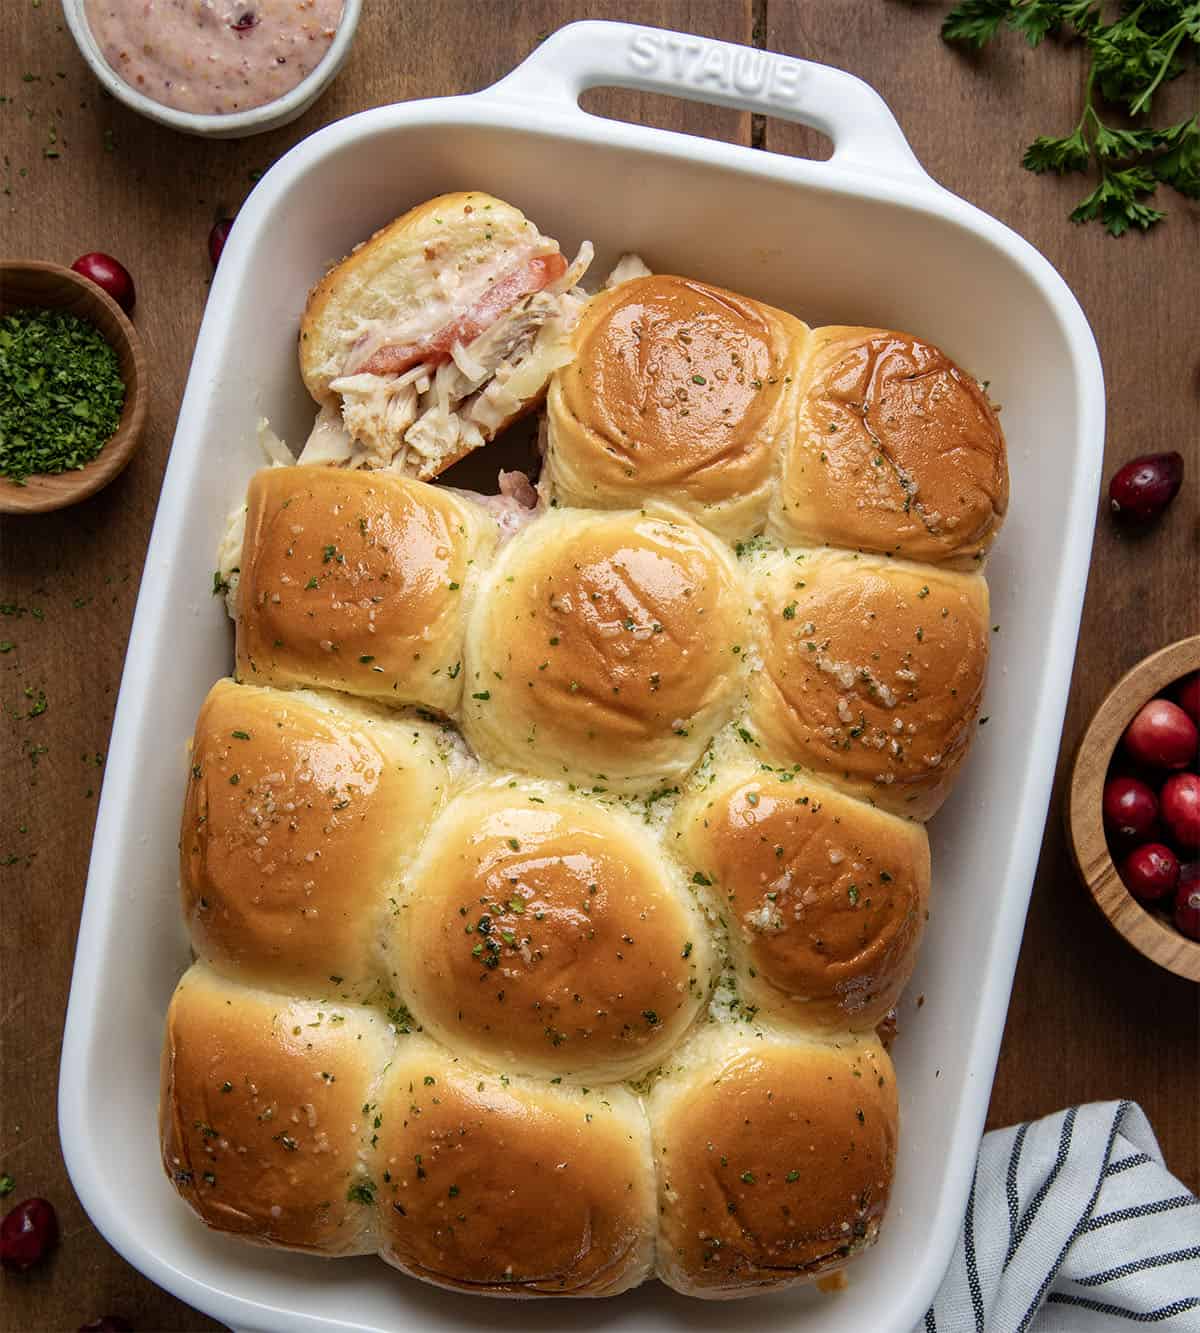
x=704, y=65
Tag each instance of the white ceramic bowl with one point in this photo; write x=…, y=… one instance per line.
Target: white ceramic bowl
x=238, y=124
x=866, y=237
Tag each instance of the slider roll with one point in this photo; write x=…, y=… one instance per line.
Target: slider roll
x=262, y=1113
x=358, y=581
x=547, y=934
x=872, y=674
x=302, y=813
x=680, y=391
x=775, y=1160
x=605, y=649
x=825, y=898
x=501, y=1186
x=896, y=450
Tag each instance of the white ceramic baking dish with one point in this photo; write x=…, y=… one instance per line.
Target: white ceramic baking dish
x=864, y=237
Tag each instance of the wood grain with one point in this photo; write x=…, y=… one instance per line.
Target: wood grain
x=1090, y=1017
x=1146, y=932
x=51, y=286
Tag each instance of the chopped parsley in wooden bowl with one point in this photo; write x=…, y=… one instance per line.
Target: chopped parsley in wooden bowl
x=72, y=388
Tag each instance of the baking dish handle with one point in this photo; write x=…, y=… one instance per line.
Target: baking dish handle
x=596, y=53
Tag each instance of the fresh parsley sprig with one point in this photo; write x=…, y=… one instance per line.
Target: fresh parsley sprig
x=1143, y=46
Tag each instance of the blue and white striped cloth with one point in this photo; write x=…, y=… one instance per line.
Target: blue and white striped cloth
x=1074, y=1225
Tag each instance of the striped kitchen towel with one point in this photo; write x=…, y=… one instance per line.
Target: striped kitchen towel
x=1073, y=1225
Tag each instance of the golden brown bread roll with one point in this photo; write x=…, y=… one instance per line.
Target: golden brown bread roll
x=357, y=581
x=261, y=1113
x=896, y=450
x=436, y=333
x=300, y=813
x=825, y=897
x=775, y=1158
x=546, y=934
x=605, y=648
x=388, y=291
x=507, y=1187
x=872, y=673
x=678, y=390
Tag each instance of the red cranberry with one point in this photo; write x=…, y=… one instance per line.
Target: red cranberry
x=1187, y=696
x=217, y=238
x=1150, y=871
x=246, y=20
x=1130, y=807
x=1187, y=901
x=109, y=1323
x=1144, y=487
x=1181, y=808
x=1161, y=736
x=27, y=1234
x=111, y=275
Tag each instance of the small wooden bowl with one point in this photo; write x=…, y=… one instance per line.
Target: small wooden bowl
x=49, y=286
x=1161, y=943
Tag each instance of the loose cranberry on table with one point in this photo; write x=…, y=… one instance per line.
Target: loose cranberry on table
x=27, y=1234
x=1144, y=487
x=1130, y=807
x=1161, y=735
x=217, y=238
x=1187, y=901
x=1187, y=696
x=111, y=275
x=1150, y=872
x=1180, y=804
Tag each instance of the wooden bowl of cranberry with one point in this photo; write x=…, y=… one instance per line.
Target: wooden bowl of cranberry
x=1133, y=811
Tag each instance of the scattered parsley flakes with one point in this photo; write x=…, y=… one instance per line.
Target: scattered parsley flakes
x=362, y=1191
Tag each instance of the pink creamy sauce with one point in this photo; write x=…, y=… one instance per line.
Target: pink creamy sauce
x=213, y=57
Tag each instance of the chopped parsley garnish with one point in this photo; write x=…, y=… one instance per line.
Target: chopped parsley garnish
x=61, y=393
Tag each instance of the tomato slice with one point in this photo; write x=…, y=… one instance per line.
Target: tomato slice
x=521, y=280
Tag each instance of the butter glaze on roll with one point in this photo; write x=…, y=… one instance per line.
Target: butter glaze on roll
x=300, y=814
x=358, y=581
x=546, y=934
x=678, y=390
x=872, y=673
x=261, y=1113
x=605, y=648
x=825, y=897
x=896, y=450
x=775, y=1159
x=507, y=1187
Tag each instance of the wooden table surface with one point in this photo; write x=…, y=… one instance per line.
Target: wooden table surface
x=1089, y=1019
